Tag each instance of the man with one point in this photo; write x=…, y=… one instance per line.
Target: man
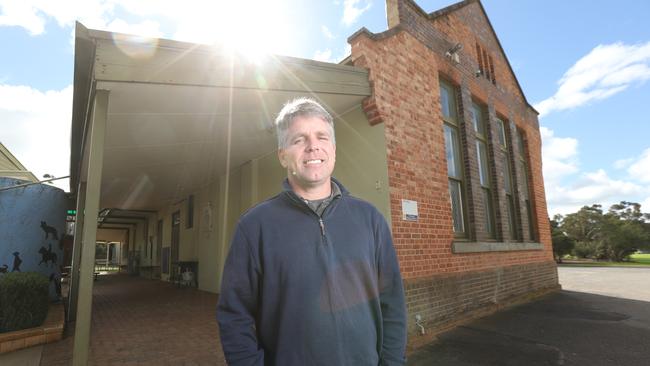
x=312, y=277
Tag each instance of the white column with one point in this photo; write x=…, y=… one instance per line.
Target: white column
x=93, y=189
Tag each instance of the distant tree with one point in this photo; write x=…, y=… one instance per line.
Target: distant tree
x=584, y=227
x=562, y=243
x=614, y=235
x=624, y=231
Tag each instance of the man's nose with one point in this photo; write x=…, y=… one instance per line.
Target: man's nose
x=313, y=144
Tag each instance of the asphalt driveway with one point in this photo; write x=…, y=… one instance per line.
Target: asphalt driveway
x=565, y=328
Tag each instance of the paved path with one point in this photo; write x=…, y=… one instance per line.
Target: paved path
x=144, y=322
x=137, y=321
x=624, y=282
x=565, y=328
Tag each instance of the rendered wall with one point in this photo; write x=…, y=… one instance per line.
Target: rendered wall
x=32, y=226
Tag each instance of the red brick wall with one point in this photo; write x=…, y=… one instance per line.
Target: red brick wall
x=405, y=64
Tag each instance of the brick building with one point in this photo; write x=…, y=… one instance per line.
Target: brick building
x=464, y=143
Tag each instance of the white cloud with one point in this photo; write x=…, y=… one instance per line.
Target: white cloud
x=35, y=127
x=645, y=205
x=21, y=14
x=147, y=28
x=603, y=72
x=33, y=14
x=326, y=32
x=347, y=50
x=559, y=154
x=568, y=189
x=623, y=163
x=590, y=188
x=353, y=9
x=640, y=169
x=325, y=56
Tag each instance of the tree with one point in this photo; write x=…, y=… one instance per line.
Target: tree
x=614, y=235
x=584, y=227
x=562, y=243
x=624, y=231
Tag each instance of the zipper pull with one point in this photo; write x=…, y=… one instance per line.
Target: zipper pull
x=322, y=226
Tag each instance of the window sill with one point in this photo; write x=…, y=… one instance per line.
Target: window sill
x=483, y=247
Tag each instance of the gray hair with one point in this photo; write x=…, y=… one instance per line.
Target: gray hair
x=300, y=107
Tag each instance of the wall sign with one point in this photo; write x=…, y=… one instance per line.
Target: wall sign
x=409, y=210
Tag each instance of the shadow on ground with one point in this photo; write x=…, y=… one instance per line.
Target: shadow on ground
x=564, y=328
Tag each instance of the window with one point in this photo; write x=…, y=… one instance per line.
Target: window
x=454, y=157
x=525, y=186
x=508, y=182
x=480, y=128
x=501, y=134
x=485, y=63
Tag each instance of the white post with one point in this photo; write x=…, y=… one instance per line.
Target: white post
x=93, y=188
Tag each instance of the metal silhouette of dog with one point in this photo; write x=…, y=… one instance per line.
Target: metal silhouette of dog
x=49, y=230
x=47, y=255
x=17, y=262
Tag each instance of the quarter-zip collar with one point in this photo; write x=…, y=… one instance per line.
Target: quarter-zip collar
x=337, y=191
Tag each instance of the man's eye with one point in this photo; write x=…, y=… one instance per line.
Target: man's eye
x=324, y=138
x=297, y=141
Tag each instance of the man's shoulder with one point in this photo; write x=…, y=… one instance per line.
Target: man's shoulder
x=359, y=202
x=264, y=209
x=361, y=205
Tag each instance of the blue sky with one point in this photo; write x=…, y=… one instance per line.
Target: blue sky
x=583, y=64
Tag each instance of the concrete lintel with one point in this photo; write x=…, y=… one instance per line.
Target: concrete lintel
x=482, y=247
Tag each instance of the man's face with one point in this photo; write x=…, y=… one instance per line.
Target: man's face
x=310, y=154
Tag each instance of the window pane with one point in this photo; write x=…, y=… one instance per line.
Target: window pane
x=489, y=213
x=483, y=171
x=531, y=226
x=524, y=176
x=501, y=133
x=456, y=206
x=452, y=152
x=511, y=217
x=520, y=143
x=444, y=102
x=477, y=120
x=448, y=103
x=507, y=178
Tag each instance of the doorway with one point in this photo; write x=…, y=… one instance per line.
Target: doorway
x=176, y=236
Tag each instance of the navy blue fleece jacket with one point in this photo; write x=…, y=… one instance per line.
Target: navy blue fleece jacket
x=296, y=291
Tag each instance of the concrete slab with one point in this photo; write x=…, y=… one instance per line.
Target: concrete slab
x=564, y=328
x=623, y=282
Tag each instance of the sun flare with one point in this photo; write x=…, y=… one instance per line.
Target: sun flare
x=253, y=29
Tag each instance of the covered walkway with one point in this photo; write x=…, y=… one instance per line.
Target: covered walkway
x=137, y=321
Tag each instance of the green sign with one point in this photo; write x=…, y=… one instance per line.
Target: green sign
x=72, y=212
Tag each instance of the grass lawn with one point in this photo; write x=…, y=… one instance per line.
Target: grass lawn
x=640, y=258
x=635, y=260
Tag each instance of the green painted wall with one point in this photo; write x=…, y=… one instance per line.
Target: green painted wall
x=360, y=166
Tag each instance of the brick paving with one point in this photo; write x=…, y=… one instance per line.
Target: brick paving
x=137, y=321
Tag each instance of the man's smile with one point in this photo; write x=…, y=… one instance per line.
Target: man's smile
x=314, y=161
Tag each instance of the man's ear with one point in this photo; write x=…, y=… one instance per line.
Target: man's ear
x=281, y=157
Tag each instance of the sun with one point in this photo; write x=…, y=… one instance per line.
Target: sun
x=252, y=28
